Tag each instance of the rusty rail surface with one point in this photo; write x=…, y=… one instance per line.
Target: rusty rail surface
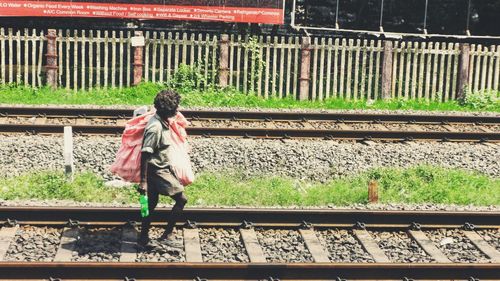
x=283, y=133
x=254, y=115
x=88, y=216
x=254, y=271
x=263, y=216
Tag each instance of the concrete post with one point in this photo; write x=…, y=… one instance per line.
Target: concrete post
x=224, y=61
x=387, y=71
x=305, y=68
x=68, y=152
x=51, y=54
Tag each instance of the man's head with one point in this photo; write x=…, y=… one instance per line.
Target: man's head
x=166, y=103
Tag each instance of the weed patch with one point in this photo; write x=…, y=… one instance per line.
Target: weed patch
x=421, y=184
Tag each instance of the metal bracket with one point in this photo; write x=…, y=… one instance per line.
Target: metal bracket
x=407, y=279
x=54, y=279
x=415, y=226
x=199, y=279
x=72, y=223
x=191, y=224
x=129, y=279
x=483, y=140
x=473, y=279
x=469, y=226
x=131, y=223
x=207, y=135
x=247, y=225
x=11, y=223
x=367, y=138
x=286, y=137
x=340, y=279
x=30, y=132
x=272, y=279
x=360, y=225
x=306, y=225
x=408, y=139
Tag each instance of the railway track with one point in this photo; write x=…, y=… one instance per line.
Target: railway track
x=317, y=238
x=107, y=121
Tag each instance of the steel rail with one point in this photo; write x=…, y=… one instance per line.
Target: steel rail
x=263, y=216
x=244, y=271
x=268, y=133
x=254, y=115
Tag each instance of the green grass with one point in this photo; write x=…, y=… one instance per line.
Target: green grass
x=213, y=97
x=421, y=184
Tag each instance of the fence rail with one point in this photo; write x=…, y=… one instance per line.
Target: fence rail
x=305, y=68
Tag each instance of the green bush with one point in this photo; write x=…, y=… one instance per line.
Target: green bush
x=487, y=99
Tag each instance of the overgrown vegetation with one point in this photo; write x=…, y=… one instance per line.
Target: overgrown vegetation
x=482, y=100
x=421, y=184
x=196, y=90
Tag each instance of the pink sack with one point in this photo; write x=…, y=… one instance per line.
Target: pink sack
x=179, y=154
x=127, y=164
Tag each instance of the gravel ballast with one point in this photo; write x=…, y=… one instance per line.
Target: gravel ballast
x=399, y=247
x=492, y=236
x=260, y=109
x=34, y=244
x=222, y=245
x=98, y=244
x=456, y=246
x=292, y=158
x=159, y=252
x=342, y=246
x=283, y=245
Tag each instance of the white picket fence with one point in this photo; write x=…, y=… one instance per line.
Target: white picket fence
x=263, y=65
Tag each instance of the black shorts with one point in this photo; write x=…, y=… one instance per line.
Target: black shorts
x=163, y=181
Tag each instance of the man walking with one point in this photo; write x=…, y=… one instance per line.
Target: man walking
x=157, y=176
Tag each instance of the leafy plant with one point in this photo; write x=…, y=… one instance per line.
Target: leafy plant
x=257, y=63
x=486, y=99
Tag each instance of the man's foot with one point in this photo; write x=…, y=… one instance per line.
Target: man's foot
x=144, y=244
x=167, y=234
x=143, y=240
x=168, y=239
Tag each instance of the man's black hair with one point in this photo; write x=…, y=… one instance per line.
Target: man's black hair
x=166, y=103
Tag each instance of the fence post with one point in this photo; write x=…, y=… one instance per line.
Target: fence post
x=387, y=70
x=463, y=74
x=138, y=45
x=51, y=54
x=305, y=68
x=224, y=61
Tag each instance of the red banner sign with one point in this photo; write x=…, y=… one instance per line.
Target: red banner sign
x=268, y=15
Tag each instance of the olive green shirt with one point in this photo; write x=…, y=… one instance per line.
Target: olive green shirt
x=157, y=141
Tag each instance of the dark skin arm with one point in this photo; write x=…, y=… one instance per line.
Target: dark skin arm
x=143, y=186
